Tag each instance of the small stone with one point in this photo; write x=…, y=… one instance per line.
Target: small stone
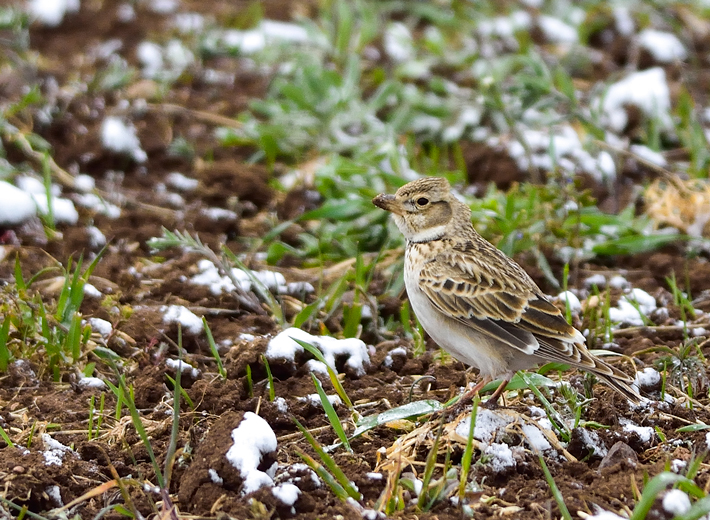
x=18, y=469
x=619, y=453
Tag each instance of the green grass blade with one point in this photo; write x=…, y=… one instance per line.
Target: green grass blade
x=269, y=378
x=651, y=492
x=556, y=494
x=326, y=477
x=331, y=413
x=6, y=438
x=4, y=350
x=350, y=488
x=429, y=468
x=468, y=451
x=213, y=349
x=316, y=353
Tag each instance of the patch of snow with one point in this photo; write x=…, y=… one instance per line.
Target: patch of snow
x=181, y=182
x=618, y=282
x=647, y=378
x=305, y=287
x=163, y=6
x=569, y=298
x=63, y=210
x=214, y=477
x=96, y=203
x=253, y=439
x=84, y=182
x=606, y=515
x=125, y=13
x=591, y=439
x=283, y=346
x=505, y=26
x=537, y=440
x=557, y=31
x=92, y=382
x=395, y=352
x=645, y=153
x=316, y=367
x=665, y=47
x=189, y=22
x=91, y=291
x=374, y=476
x=120, y=137
x=281, y=405
x=623, y=21
x=35, y=186
x=678, y=465
x=596, y=279
x=488, y=424
x=645, y=433
x=647, y=90
x=314, y=399
x=219, y=214
x=707, y=440
x=55, y=495
x=398, y=42
x=268, y=32
x=247, y=337
x=287, y=493
x=150, y=56
x=51, y=12
x=16, y=206
x=183, y=366
x=676, y=502
x=501, y=457
x=185, y=317
x=626, y=311
x=54, y=451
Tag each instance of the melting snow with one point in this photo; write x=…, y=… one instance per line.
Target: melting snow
x=92, y=382
x=314, y=399
x=253, y=439
x=501, y=457
x=286, y=493
x=16, y=206
x=51, y=12
x=54, y=451
x=647, y=90
x=676, y=502
x=214, y=477
x=569, y=298
x=178, y=364
x=645, y=433
x=283, y=346
x=665, y=47
x=120, y=137
x=627, y=312
x=185, y=317
x=647, y=378
x=488, y=424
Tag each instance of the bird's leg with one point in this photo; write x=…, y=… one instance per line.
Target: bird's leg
x=467, y=396
x=493, y=400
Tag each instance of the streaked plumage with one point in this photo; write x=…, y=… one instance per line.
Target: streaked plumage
x=473, y=300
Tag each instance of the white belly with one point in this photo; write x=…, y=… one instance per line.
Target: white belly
x=462, y=342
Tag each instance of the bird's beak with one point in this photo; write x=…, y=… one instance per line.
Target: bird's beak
x=388, y=203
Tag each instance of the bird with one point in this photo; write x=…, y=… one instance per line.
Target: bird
x=477, y=303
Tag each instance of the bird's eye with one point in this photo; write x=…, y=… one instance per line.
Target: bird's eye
x=422, y=201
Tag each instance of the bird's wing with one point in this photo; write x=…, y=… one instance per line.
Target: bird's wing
x=496, y=297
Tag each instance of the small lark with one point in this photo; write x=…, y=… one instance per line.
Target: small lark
x=475, y=302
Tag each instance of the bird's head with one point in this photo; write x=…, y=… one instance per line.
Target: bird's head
x=424, y=209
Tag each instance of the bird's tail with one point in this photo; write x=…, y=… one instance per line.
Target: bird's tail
x=616, y=379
